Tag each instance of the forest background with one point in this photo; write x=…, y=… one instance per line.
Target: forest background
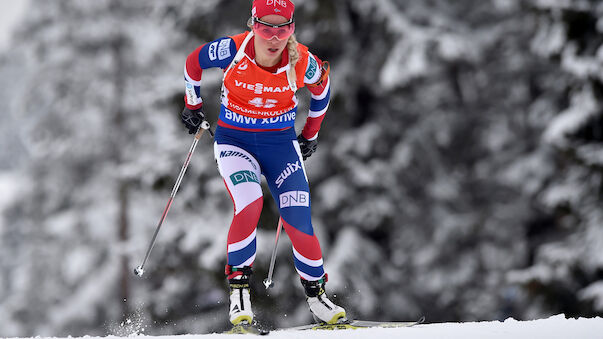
x=459, y=173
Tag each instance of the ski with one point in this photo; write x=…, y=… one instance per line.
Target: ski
x=356, y=324
x=246, y=329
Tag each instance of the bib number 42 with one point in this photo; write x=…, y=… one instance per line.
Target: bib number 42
x=261, y=103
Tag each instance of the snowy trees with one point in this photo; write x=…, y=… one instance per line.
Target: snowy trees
x=421, y=170
x=90, y=97
x=567, y=265
x=458, y=173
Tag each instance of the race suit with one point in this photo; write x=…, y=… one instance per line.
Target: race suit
x=255, y=136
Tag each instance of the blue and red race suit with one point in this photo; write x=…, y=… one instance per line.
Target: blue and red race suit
x=255, y=136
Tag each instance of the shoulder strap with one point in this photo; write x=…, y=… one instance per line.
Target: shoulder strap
x=239, y=55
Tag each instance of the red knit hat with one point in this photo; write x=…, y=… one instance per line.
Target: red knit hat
x=283, y=8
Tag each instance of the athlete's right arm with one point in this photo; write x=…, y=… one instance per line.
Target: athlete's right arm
x=218, y=53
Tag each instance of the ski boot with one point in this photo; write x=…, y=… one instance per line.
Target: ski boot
x=240, y=302
x=321, y=307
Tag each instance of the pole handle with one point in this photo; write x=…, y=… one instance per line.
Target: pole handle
x=204, y=126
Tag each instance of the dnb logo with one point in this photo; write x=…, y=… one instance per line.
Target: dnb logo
x=244, y=176
x=282, y=3
x=294, y=199
x=312, y=68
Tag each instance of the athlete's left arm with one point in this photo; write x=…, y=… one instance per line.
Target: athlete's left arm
x=318, y=82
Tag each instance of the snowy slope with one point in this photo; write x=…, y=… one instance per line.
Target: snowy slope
x=556, y=327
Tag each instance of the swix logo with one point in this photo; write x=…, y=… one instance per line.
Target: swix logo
x=294, y=199
x=290, y=169
x=259, y=88
x=282, y=3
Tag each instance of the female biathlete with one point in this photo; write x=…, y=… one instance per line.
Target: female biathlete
x=263, y=68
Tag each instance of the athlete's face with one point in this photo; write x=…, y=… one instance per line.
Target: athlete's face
x=268, y=51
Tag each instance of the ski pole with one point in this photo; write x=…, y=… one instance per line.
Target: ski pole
x=268, y=281
x=204, y=126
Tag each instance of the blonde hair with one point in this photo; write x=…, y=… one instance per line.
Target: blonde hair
x=293, y=57
x=291, y=49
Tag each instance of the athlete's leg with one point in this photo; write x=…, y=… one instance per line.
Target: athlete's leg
x=288, y=183
x=284, y=170
x=241, y=174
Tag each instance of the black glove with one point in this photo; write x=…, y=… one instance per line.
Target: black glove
x=307, y=146
x=192, y=119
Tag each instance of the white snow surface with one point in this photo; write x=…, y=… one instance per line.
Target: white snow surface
x=555, y=327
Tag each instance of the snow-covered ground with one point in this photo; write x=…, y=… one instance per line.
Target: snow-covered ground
x=556, y=327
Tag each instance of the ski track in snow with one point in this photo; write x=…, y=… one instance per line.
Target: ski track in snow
x=556, y=327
